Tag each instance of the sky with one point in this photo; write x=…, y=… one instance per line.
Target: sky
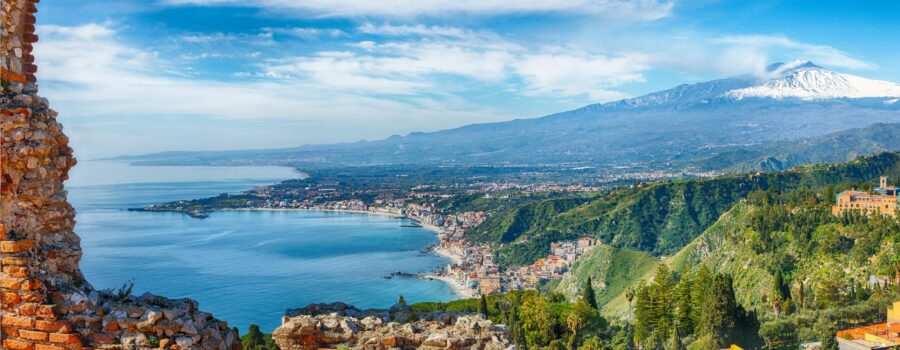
x=142, y=76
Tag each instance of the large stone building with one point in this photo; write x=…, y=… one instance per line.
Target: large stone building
x=883, y=201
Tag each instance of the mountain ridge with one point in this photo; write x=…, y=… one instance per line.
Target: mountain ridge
x=656, y=130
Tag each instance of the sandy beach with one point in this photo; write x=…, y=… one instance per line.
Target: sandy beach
x=458, y=288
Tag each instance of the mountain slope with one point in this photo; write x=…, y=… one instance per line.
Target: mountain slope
x=659, y=218
x=807, y=81
x=836, y=147
x=659, y=130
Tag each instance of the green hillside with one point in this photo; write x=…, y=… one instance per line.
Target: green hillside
x=659, y=218
x=836, y=147
x=611, y=271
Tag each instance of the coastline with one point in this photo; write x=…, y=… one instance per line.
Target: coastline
x=460, y=289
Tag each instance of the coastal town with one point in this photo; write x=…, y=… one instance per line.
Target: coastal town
x=472, y=270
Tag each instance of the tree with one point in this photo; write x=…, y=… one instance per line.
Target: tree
x=587, y=293
x=253, y=339
x=719, y=316
x=483, y=306
x=684, y=323
x=537, y=323
x=827, y=335
x=780, y=293
x=581, y=316
x=701, y=283
x=401, y=300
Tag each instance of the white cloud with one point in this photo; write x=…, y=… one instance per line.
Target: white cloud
x=307, y=32
x=633, y=10
x=569, y=75
x=759, y=49
x=89, y=73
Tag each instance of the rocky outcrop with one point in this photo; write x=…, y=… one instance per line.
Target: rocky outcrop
x=330, y=326
x=46, y=302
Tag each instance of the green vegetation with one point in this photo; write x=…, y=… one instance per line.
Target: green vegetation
x=545, y=321
x=842, y=146
x=256, y=340
x=673, y=312
x=611, y=272
x=659, y=218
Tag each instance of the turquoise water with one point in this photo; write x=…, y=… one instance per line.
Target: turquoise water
x=244, y=267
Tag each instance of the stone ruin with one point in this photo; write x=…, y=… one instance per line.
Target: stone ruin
x=330, y=326
x=45, y=302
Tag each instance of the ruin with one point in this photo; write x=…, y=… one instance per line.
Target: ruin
x=45, y=301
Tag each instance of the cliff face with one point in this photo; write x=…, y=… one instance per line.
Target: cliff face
x=46, y=302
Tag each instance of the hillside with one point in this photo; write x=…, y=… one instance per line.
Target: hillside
x=659, y=218
x=836, y=147
x=670, y=129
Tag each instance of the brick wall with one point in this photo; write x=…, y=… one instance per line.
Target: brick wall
x=45, y=302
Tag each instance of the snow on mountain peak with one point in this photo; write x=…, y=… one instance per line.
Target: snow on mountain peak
x=805, y=80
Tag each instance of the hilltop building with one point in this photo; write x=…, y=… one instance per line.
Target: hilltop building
x=883, y=201
x=874, y=337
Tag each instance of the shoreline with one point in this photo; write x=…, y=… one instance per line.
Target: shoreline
x=458, y=288
x=461, y=291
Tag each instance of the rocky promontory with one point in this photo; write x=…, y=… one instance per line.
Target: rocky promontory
x=400, y=327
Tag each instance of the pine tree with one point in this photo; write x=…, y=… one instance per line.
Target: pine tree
x=828, y=336
x=684, y=322
x=662, y=296
x=719, y=316
x=483, y=306
x=700, y=285
x=587, y=293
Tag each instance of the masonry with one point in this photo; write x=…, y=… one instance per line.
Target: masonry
x=45, y=301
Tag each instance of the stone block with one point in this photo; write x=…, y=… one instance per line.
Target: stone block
x=63, y=338
x=48, y=347
x=13, y=344
x=15, y=247
x=32, y=335
x=21, y=322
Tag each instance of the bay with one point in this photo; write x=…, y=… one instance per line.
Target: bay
x=243, y=266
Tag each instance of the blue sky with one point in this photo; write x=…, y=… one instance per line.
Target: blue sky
x=132, y=76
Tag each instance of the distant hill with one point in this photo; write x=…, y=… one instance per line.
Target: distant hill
x=836, y=147
x=658, y=218
x=669, y=129
x=825, y=261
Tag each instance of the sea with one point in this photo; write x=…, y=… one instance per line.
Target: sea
x=246, y=267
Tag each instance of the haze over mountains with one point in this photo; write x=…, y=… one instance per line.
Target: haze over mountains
x=794, y=113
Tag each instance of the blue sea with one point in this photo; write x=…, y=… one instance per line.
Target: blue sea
x=244, y=266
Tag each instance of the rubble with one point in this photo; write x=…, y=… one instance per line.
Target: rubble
x=338, y=325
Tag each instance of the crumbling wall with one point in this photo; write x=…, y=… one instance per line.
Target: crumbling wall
x=45, y=302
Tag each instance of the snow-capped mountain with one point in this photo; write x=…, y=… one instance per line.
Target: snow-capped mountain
x=806, y=80
x=688, y=122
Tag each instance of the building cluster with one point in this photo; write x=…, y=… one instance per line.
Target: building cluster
x=878, y=336
x=477, y=271
x=883, y=201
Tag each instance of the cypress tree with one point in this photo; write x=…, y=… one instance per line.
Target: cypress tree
x=719, y=316
x=483, y=307
x=587, y=293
